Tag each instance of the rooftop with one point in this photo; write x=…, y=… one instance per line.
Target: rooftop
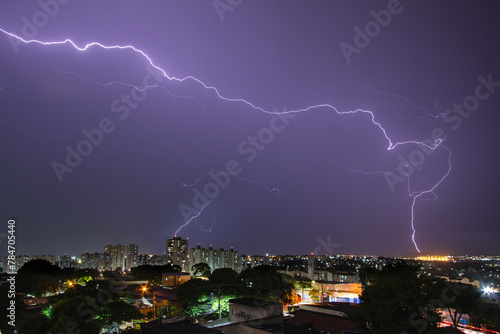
x=339, y=307
x=251, y=302
x=178, y=328
x=176, y=274
x=322, y=322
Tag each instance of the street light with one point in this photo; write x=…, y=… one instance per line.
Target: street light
x=488, y=290
x=144, y=289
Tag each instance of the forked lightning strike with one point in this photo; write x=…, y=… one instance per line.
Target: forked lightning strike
x=390, y=146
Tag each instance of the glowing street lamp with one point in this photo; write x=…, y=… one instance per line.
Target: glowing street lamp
x=144, y=289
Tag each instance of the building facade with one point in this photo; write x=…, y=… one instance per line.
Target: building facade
x=132, y=256
x=116, y=256
x=177, y=253
x=215, y=258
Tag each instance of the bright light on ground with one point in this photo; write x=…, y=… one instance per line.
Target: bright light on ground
x=488, y=290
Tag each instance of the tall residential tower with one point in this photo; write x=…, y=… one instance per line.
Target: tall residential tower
x=177, y=253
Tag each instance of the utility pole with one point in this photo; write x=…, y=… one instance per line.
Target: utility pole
x=154, y=304
x=218, y=297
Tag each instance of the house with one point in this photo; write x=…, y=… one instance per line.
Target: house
x=244, y=309
x=174, y=279
x=251, y=316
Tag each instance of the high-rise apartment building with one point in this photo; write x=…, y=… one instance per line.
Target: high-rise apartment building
x=116, y=256
x=177, y=253
x=215, y=258
x=132, y=256
x=151, y=259
x=197, y=255
x=93, y=261
x=65, y=261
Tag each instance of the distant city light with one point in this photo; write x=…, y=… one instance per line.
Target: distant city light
x=433, y=258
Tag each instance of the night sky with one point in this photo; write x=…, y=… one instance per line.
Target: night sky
x=279, y=56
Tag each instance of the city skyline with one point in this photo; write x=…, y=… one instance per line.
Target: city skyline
x=422, y=256
x=283, y=128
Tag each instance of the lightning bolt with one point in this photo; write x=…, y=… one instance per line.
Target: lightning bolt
x=271, y=190
x=411, y=104
x=192, y=218
x=207, y=230
x=111, y=83
x=417, y=195
x=414, y=195
x=370, y=114
x=27, y=132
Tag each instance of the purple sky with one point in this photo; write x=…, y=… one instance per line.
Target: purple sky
x=280, y=56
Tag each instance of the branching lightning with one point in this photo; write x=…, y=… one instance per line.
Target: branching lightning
x=271, y=190
x=27, y=132
x=193, y=217
x=111, y=83
x=428, y=191
x=411, y=104
x=206, y=229
x=370, y=114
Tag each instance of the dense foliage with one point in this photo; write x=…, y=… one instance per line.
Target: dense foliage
x=199, y=298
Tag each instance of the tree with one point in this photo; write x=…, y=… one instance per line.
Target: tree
x=193, y=297
x=48, y=285
x=397, y=301
x=82, y=275
x=118, y=312
x=37, y=277
x=314, y=294
x=38, y=324
x=367, y=276
x=224, y=304
x=485, y=315
x=461, y=299
x=225, y=281
x=201, y=269
x=303, y=283
x=265, y=282
x=225, y=285
x=68, y=312
x=193, y=292
x=224, y=276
